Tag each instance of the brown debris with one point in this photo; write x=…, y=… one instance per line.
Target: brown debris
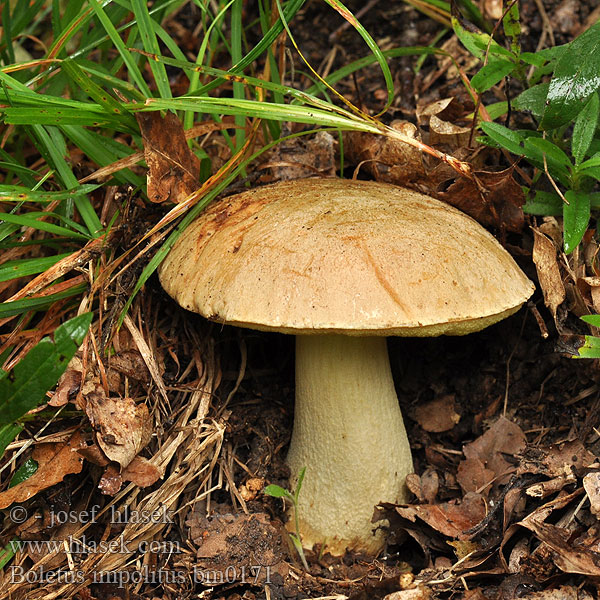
x=173, y=169
x=234, y=543
x=438, y=415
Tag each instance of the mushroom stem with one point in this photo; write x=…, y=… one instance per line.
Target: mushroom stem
x=350, y=436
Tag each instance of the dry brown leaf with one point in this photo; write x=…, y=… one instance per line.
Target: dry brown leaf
x=173, y=169
x=556, y=460
x=301, y=157
x=55, y=461
x=546, y=265
x=444, y=132
x=130, y=363
x=387, y=159
x=69, y=383
x=437, y=415
x=449, y=518
x=419, y=593
x=562, y=593
x=591, y=484
x=122, y=427
x=472, y=476
x=141, y=472
x=501, y=206
x=503, y=437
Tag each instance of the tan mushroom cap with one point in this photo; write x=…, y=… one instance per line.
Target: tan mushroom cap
x=339, y=256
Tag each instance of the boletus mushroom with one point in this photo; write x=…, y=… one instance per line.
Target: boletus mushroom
x=341, y=265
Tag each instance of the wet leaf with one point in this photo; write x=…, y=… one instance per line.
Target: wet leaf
x=489, y=75
x=585, y=128
x=576, y=78
x=576, y=217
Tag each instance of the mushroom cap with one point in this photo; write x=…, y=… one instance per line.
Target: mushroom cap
x=338, y=256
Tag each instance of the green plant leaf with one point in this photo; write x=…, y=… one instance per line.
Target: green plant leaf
x=592, y=320
x=24, y=472
x=559, y=164
x=576, y=78
x=26, y=385
x=544, y=204
x=585, y=128
x=512, y=27
x=477, y=43
x=591, y=347
x=489, y=75
x=7, y=434
x=576, y=216
x=532, y=100
x=506, y=138
x=276, y=491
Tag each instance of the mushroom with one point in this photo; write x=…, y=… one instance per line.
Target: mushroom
x=343, y=264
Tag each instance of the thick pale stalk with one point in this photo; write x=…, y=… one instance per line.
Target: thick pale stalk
x=350, y=436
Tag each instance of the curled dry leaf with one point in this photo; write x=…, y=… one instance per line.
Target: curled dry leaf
x=449, y=518
x=546, y=265
x=55, y=461
x=68, y=384
x=438, y=415
x=141, y=472
x=122, y=427
x=387, y=159
x=173, y=169
x=444, y=132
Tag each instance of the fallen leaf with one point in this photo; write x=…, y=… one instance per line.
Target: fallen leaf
x=173, y=169
x=562, y=593
x=141, y=472
x=387, y=159
x=546, y=265
x=130, y=363
x=472, y=476
x=452, y=519
x=55, y=461
x=503, y=437
x=500, y=205
x=444, y=132
x=419, y=593
x=556, y=460
x=300, y=157
x=437, y=415
x=591, y=484
x=122, y=427
x=69, y=383
x=111, y=481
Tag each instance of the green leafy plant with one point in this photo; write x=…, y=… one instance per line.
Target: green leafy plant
x=567, y=102
x=277, y=491
x=24, y=387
